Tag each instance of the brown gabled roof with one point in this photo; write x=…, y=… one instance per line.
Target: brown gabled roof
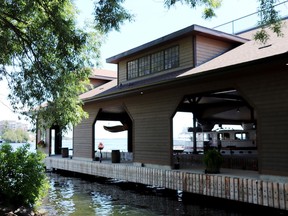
x=103, y=74
x=98, y=90
x=248, y=52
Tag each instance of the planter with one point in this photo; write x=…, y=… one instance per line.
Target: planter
x=115, y=156
x=65, y=152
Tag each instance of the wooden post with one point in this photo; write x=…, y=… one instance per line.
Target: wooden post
x=194, y=135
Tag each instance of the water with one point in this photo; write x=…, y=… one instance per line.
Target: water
x=72, y=196
x=109, y=144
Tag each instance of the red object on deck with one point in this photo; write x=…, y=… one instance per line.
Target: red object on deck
x=100, y=146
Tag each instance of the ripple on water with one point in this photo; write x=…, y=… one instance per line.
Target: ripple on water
x=70, y=196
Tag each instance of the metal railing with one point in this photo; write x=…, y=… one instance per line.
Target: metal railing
x=249, y=21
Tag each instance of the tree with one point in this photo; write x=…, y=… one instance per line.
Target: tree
x=10, y=136
x=109, y=14
x=269, y=18
x=15, y=135
x=46, y=58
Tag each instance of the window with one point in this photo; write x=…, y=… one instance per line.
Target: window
x=132, y=69
x=223, y=136
x=157, y=62
x=171, y=57
x=241, y=136
x=144, y=65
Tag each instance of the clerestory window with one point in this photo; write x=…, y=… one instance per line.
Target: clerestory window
x=132, y=68
x=153, y=63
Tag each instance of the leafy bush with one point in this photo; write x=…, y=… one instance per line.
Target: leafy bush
x=213, y=161
x=22, y=175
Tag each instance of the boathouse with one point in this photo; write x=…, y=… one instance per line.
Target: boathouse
x=221, y=79
x=212, y=74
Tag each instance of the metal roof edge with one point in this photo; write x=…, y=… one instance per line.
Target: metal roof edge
x=180, y=33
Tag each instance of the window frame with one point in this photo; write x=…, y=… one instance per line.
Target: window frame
x=169, y=58
x=132, y=72
x=243, y=136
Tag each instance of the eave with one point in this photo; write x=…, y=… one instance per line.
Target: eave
x=191, y=30
x=194, y=77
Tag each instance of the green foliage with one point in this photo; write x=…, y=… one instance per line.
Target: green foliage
x=45, y=58
x=209, y=5
x=269, y=18
x=213, y=161
x=15, y=135
x=109, y=14
x=22, y=176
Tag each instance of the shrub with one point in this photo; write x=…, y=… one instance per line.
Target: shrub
x=22, y=175
x=213, y=161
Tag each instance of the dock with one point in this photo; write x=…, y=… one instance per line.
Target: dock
x=232, y=184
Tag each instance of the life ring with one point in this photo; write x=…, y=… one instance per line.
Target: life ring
x=100, y=146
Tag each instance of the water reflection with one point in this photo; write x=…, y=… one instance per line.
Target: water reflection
x=76, y=197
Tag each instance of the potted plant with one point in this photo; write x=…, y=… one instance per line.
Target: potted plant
x=213, y=161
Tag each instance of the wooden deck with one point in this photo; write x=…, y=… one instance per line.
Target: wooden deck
x=239, y=185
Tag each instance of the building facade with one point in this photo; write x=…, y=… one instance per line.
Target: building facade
x=211, y=74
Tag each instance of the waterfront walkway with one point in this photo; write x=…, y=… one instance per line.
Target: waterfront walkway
x=239, y=185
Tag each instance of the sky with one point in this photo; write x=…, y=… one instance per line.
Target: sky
x=152, y=20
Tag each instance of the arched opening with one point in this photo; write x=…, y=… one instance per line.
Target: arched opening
x=117, y=140
x=113, y=130
x=182, y=139
x=67, y=141
x=222, y=120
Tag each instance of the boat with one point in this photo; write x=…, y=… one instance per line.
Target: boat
x=117, y=128
x=178, y=148
x=229, y=141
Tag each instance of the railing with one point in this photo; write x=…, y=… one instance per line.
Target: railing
x=247, y=162
x=249, y=21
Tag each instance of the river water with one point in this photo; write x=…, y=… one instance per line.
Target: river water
x=74, y=196
x=70, y=195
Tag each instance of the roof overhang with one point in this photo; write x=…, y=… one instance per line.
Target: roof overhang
x=191, y=30
x=281, y=59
